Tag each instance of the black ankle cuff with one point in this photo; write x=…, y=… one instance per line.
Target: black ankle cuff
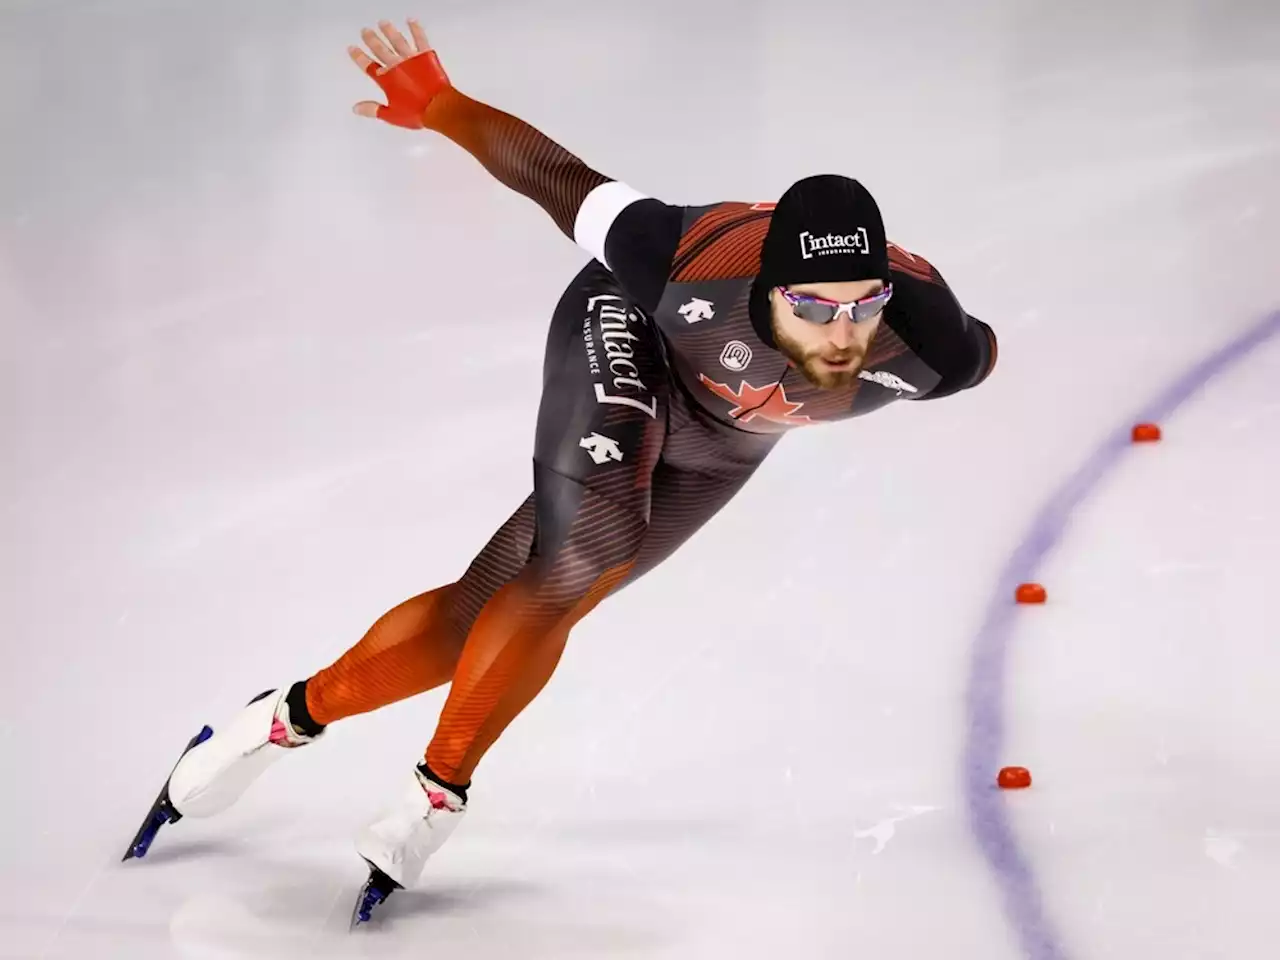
x=299, y=715
x=458, y=788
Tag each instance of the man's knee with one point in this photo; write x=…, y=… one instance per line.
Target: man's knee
x=576, y=578
x=586, y=542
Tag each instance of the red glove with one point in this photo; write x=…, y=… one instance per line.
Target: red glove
x=410, y=87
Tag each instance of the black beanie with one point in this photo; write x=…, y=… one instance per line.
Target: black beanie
x=825, y=229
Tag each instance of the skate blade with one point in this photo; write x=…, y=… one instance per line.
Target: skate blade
x=374, y=892
x=162, y=811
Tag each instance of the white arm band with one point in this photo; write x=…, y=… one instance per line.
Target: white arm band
x=597, y=213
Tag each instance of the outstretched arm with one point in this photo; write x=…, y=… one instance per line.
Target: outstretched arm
x=519, y=156
x=584, y=203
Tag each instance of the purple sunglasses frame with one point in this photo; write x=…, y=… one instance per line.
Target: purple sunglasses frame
x=859, y=310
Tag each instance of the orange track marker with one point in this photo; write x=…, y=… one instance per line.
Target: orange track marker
x=1014, y=778
x=1031, y=593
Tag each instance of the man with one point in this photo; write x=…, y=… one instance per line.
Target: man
x=675, y=361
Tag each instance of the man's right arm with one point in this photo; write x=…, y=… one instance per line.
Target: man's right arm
x=633, y=235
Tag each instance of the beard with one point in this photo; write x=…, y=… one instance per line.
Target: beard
x=812, y=363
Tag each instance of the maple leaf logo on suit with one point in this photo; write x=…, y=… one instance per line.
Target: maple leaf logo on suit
x=768, y=403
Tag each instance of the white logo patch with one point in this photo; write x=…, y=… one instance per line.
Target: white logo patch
x=698, y=309
x=856, y=242
x=735, y=356
x=616, y=341
x=601, y=448
x=886, y=379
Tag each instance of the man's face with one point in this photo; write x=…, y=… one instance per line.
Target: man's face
x=828, y=355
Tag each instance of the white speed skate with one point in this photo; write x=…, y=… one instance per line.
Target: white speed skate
x=396, y=845
x=215, y=769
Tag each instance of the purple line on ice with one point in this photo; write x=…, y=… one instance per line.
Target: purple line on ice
x=984, y=707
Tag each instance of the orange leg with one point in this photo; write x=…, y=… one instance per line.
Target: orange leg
x=414, y=647
x=512, y=651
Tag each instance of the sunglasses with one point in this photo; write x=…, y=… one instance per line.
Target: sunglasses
x=820, y=311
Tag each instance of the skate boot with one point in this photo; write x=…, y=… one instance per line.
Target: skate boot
x=214, y=770
x=396, y=845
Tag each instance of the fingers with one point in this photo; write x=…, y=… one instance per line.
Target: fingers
x=391, y=50
x=399, y=117
x=379, y=47
x=398, y=43
x=419, y=36
x=362, y=61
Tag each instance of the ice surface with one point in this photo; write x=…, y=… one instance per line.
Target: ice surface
x=270, y=368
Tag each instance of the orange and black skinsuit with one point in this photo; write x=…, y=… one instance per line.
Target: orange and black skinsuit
x=662, y=394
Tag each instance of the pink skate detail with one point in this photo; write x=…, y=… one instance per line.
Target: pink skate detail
x=439, y=801
x=279, y=733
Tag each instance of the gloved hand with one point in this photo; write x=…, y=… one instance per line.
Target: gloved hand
x=409, y=73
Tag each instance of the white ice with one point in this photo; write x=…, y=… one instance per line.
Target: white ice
x=268, y=369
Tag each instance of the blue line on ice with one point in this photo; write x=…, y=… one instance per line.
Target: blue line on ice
x=984, y=702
